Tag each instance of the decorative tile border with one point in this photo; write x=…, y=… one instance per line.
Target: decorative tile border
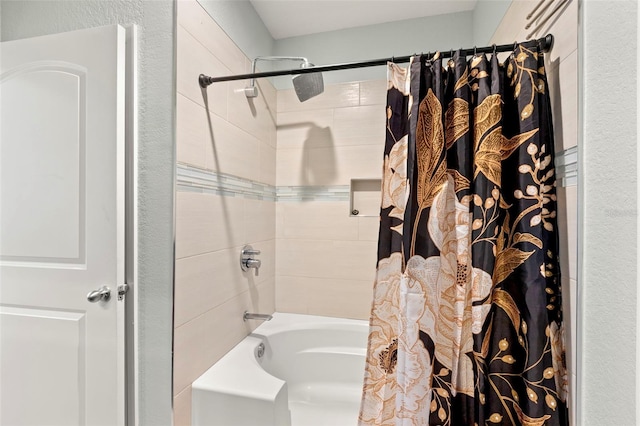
x=313, y=193
x=567, y=167
x=193, y=179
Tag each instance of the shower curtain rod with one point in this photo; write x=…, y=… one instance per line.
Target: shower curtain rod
x=545, y=43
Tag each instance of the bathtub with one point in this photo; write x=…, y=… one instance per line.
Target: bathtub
x=295, y=370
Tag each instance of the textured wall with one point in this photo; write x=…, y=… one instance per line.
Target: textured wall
x=156, y=100
x=609, y=213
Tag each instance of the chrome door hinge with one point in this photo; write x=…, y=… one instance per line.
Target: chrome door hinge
x=122, y=290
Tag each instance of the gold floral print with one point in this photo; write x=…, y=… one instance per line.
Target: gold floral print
x=457, y=120
x=466, y=327
x=492, y=147
x=432, y=169
x=518, y=70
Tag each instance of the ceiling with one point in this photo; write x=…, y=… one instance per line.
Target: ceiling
x=292, y=18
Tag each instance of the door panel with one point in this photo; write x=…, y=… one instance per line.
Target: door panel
x=47, y=364
x=53, y=95
x=62, y=228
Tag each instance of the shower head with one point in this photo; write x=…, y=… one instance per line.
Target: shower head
x=306, y=85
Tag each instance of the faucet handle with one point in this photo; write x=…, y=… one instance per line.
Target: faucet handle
x=250, y=252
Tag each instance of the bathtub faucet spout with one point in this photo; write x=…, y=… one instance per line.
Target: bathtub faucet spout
x=263, y=317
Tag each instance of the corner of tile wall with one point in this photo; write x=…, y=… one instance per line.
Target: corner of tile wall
x=226, y=175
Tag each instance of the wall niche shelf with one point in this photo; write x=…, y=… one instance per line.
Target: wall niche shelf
x=364, y=195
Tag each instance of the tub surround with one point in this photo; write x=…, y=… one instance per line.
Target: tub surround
x=291, y=371
x=225, y=199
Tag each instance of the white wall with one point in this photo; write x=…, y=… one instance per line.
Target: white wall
x=608, y=213
x=377, y=41
x=242, y=24
x=156, y=106
x=486, y=17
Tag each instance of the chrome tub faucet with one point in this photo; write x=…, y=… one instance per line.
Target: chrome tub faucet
x=263, y=317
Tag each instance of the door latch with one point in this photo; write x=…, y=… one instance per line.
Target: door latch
x=122, y=290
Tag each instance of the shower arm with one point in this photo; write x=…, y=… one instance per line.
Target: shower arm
x=545, y=43
x=251, y=91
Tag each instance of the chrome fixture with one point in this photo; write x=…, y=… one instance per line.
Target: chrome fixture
x=247, y=260
x=306, y=85
x=260, y=351
x=103, y=293
x=122, y=290
x=263, y=317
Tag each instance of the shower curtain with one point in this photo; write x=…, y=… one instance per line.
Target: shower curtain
x=466, y=326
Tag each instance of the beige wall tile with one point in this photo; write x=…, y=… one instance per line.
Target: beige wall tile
x=280, y=207
x=249, y=114
x=191, y=132
x=192, y=60
x=572, y=230
x=291, y=167
x=362, y=125
x=189, y=357
x=563, y=86
x=267, y=163
x=338, y=165
x=233, y=151
x=270, y=95
x=373, y=92
x=182, y=408
x=348, y=260
x=368, y=228
x=205, y=281
x=305, y=129
x=263, y=299
x=198, y=22
x=291, y=294
x=267, y=255
x=260, y=219
x=206, y=223
x=334, y=96
x=567, y=229
x=564, y=27
x=339, y=298
x=570, y=311
x=320, y=220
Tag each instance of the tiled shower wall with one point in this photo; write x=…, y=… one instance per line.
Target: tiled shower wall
x=226, y=153
x=325, y=257
x=317, y=258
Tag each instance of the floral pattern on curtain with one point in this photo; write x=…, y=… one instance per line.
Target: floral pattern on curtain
x=466, y=325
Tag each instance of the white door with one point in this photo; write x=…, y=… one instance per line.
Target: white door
x=62, y=228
